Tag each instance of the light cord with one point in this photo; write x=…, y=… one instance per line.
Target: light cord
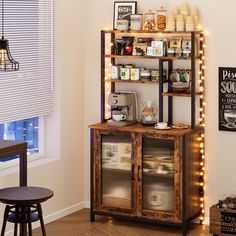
x=2, y=19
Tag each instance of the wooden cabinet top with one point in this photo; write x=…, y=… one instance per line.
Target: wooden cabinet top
x=139, y=128
x=152, y=32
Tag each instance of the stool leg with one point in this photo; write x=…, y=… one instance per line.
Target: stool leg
x=40, y=214
x=15, y=229
x=6, y=212
x=16, y=224
x=29, y=220
x=23, y=226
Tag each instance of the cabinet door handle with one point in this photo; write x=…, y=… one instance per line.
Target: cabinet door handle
x=139, y=178
x=132, y=172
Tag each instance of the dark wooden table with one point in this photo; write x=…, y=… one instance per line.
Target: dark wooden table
x=13, y=148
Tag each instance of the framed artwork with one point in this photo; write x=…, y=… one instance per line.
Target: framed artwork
x=123, y=10
x=227, y=98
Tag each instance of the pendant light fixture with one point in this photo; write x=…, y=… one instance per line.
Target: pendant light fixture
x=7, y=63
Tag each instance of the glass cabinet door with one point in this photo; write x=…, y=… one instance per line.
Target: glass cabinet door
x=158, y=175
x=116, y=182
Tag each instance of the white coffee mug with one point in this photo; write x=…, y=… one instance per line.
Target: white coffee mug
x=161, y=125
x=118, y=117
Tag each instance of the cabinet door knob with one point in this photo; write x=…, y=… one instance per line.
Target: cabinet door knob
x=132, y=172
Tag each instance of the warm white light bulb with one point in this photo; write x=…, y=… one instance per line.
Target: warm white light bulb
x=3, y=53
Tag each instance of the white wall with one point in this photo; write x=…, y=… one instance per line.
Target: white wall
x=218, y=17
x=66, y=175
x=78, y=25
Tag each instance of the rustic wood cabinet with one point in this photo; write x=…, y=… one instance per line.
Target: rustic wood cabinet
x=129, y=186
x=143, y=173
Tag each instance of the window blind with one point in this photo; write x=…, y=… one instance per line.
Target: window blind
x=29, y=92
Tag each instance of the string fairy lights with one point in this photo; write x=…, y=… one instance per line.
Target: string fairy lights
x=201, y=138
x=107, y=76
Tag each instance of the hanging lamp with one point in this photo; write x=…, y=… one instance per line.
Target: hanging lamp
x=7, y=63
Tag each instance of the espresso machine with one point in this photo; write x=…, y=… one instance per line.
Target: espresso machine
x=123, y=109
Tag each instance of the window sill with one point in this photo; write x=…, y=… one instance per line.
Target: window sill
x=34, y=160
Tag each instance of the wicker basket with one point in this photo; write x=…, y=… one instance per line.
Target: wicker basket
x=222, y=221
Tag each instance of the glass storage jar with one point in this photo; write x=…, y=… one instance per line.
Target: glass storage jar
x=149, y=21
x=161, y=19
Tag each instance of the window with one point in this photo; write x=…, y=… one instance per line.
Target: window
x=23, y=130
x=27, y=95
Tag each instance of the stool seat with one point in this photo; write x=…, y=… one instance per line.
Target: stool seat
x=23, y=207
x=24, y=195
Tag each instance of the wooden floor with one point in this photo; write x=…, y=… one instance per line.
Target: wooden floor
x=78, y=224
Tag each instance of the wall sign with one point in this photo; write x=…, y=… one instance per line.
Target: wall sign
x=228, y=223
x=227, y=98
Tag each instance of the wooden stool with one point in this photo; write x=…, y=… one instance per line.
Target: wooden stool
x=23, y=207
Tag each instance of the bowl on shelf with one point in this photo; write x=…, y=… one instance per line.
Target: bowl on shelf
x=180, y=87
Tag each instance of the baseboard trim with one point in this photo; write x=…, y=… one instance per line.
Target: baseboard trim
x=86, y=204
x=57, y=215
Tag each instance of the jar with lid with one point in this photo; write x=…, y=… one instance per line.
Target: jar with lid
x=145, y=75
x=122, y=24
x=180, y=23
x=170, y=23
x=189, y=24
x=158, y=195
x=149, y=21
x=149, y=113
x=161, y=19
x=195, y=16
x=136, y=21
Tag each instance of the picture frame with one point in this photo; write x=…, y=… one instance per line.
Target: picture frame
x=123, y=10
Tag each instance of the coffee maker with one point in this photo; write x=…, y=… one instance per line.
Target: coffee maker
x=123, y=109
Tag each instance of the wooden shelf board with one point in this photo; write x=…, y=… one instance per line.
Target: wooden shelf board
x=150, y=32
x=180, y=94
x=132, y=81
x=158, y=175
x=149, y=57
x=116, y=170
